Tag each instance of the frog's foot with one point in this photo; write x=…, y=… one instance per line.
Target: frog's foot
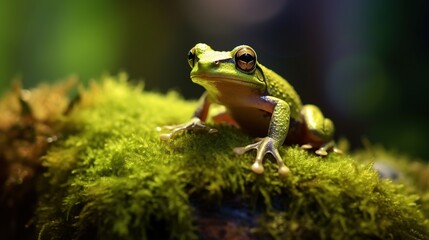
x=264, y=146
x=323, y=150
x=193, y=124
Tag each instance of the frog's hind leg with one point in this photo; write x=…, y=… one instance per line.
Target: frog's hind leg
x=319, y=130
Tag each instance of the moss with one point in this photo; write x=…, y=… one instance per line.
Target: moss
x=110, y=177
x=28, y=125
x=402, y=169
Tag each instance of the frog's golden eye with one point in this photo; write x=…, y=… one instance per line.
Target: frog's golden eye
x=191, y=57
x=245, y=59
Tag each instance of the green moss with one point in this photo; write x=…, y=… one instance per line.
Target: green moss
x=412, y=173
x=110, y=177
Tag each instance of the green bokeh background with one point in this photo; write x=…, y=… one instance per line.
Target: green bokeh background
x=363, y=62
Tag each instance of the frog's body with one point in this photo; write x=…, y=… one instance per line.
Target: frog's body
x=257, y=100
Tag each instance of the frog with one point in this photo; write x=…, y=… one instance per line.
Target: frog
x=256, y=100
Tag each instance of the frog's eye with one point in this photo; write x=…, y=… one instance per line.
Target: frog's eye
x=245, y=59
x=191, y=57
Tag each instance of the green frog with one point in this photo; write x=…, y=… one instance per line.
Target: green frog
x=258, y=101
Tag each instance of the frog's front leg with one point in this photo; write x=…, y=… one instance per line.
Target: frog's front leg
x=196, y=122
x=277, y=132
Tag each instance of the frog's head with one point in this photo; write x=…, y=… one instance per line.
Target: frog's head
x=237, y=68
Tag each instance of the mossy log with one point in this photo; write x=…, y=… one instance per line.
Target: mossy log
x=109, y=176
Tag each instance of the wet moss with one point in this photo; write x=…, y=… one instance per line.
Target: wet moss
x=110, y=177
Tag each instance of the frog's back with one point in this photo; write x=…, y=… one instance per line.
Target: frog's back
x=278, y=87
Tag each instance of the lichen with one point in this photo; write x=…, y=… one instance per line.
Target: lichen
x=110, y=177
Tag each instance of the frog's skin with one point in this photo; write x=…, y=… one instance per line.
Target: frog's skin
x=258, y=101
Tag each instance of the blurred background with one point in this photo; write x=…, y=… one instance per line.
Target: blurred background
x=363, y=62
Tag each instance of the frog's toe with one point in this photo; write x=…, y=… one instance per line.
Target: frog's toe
x=193, y=124
x=321, y=152
x=338, y=151
x=198, y=125
x=306, y=146
x=284, y=171
x=323, y=149
x=329, y=146
x=212, y=130
x=257, y=167
x=242, y=150
x=165, y=136
x=239, y=150
x=264, y=146
x=172, y=133
x=167, y=127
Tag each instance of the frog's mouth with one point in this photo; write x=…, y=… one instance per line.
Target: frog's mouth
x=229, y=90
x=211, y=81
